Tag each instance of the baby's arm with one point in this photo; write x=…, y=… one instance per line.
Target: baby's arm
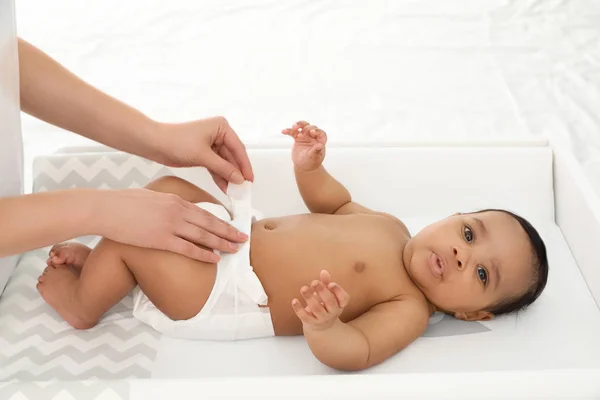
x=371, y=338
x=321, y=192
x=363, y=342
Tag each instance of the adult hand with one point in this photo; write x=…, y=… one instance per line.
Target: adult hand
x=164, y=221
x=209, y=143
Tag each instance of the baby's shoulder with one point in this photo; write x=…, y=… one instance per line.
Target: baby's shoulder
x=417, y=302
x=409, y=292
x=394, y=221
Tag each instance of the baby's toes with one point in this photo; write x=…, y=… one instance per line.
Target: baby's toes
x=43, y=275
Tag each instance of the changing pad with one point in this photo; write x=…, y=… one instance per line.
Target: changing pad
x=559, y=331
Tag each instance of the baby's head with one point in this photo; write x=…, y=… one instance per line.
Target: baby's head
x=479, y=265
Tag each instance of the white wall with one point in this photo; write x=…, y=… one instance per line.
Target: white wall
x=361, y=69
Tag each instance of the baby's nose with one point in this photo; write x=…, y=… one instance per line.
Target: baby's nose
x=460, y=257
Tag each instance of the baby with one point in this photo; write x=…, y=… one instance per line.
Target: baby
x=351, y=280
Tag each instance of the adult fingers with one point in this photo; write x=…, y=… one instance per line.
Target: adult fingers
x=188, y=249
x=201, y=236
x=223, y=168
x=206, y=221
x=226, y=154
x=232, y=142
x=220, y=182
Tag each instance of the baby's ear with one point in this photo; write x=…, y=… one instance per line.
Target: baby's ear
x=474, y=316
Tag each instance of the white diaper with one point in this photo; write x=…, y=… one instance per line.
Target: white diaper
x=232, y=310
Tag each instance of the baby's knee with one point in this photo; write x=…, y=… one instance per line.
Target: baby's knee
x=81, y=324
x=108, y=247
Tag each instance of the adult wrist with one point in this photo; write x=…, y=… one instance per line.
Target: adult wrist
x=94, y=205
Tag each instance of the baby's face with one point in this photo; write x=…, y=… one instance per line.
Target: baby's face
x=467, y=263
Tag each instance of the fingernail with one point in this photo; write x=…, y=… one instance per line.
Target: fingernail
x=215, y=258
x=237, y=177
x=233, y=246
x=242, y=236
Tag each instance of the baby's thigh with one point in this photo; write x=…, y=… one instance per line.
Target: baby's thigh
x=177, y=285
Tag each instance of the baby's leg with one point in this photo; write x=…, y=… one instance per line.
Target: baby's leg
x=176, y=285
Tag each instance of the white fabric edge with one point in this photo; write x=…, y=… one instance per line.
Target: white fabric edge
x=284, y=144
x=577, y=214
x=548, y=384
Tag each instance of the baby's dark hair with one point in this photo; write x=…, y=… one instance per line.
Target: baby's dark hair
x=540, y=270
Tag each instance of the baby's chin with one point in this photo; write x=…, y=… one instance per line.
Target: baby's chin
x=420, y=273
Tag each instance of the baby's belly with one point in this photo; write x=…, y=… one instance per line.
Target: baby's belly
x=290, y=252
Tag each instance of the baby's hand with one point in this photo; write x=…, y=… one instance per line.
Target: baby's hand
x=309, y=145
x=325, y=301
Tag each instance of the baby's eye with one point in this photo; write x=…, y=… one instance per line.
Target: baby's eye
x=468, y=234
x=482, y=274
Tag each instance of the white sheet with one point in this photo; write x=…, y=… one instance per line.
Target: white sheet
x=361, y=69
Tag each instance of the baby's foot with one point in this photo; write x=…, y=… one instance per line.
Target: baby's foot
x=57, y=287
x=71, y=254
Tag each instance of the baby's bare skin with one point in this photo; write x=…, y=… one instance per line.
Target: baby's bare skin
x=363, y=253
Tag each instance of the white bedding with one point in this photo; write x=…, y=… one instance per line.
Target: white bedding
x=364, y=70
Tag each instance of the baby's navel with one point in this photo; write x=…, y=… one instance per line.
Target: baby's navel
x=359, y=267
x=269, y=226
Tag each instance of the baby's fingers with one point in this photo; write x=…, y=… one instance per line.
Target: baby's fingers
x=319, y=135
x=313, y=303
x=343, y=298
x=316, y=151
x=301, y=312
x=290, y=132
x=325, y=277
x=326, y=296
x=300, y=125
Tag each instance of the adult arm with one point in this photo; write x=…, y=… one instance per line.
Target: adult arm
x=55, y=95
x=138, y=217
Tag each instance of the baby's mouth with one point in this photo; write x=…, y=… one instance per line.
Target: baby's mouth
x=441, y=263
x=437, y=265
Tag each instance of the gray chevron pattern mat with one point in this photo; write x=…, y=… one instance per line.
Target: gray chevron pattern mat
x=35, y=343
